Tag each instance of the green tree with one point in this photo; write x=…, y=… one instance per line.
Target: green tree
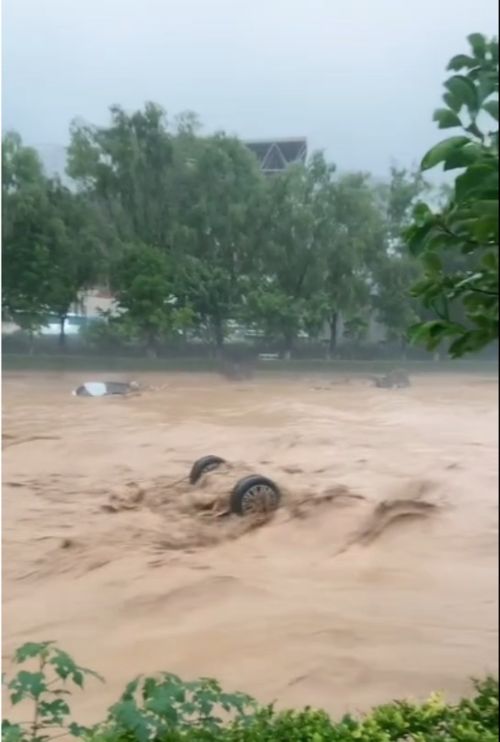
x=127, y=168
x=176, y=191
x=295, y=223
x=26, y=255
x=354, y=246
x=458, y=244
x=50, y=246
x=144, y=287
x=75, y=250
x=395, y=270
x=215, y=235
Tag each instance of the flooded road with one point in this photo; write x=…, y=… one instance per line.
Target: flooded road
x=377, y=578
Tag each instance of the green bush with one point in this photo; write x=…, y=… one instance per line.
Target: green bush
x=105, y=334
x=166, y=709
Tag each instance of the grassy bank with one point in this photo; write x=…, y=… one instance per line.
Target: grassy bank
x=61, y=363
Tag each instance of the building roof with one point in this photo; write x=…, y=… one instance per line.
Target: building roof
x=275, y=155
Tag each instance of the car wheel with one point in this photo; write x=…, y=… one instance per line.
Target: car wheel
x=254, y=494
x=204, y=465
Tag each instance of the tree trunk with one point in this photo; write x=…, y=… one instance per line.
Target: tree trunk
x=404, y=346
x=151, y=344
x=218, y=332
x=62, y=332
x=289, y=338
x=332, y=342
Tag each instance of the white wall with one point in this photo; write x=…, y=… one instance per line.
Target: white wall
x=95, y=301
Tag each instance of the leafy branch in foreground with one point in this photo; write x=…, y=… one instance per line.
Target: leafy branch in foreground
x=458, y=246
x=165, y=708
x=151, y=708
x=45, y=688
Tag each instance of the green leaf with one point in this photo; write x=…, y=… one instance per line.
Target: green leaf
x=27, y=684
x=422, y=212
x=452, y=102
x=468, y=280
x=433, y=333
x=12, y=732
x=65, y=667
x=491, y=107
x=490, y=261
x=464, y=156
x=446, y=118
x=417, y=237
x=464, y=91
x=480, y=180
x=131, y=689
x=30, y=650
x=474, y=129
x=432, y=262
x=486, y=229
x=460, y=61
x=441, y=151
x=478, y=44
x=63, y=664
x=493, y=49
x=53, y=711
x=487, y=85
x=462, y=345
x=162, y=704
x=132, y=720
x=77, y=730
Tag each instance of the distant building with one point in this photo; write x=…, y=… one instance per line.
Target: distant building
x=94, y=302
x=275, y=155
x=375, y=332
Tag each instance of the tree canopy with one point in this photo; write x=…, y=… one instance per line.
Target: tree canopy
x=50, y=241
x=458, y=244
x=191, y=237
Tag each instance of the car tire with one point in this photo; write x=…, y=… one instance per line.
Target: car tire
x=254, y=494
x=204, y=465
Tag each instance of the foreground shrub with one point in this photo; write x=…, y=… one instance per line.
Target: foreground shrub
x=44, y=688
x=167, y=709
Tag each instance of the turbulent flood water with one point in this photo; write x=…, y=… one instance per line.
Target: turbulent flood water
x=377, y=578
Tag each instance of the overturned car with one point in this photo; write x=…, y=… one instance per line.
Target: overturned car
x=251, y=495
x=106, y=389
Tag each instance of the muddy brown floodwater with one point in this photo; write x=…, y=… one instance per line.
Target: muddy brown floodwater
x=376, y=579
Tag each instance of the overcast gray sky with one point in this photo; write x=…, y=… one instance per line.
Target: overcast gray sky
x=358, y=78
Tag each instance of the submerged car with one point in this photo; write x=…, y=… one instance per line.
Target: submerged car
x=251, y=495
x=105, y=388
x=397, y=379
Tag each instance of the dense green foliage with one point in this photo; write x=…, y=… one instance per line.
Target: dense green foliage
x=166, y=709
x=51, y=244
x=191, y=237
x=458, y=245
